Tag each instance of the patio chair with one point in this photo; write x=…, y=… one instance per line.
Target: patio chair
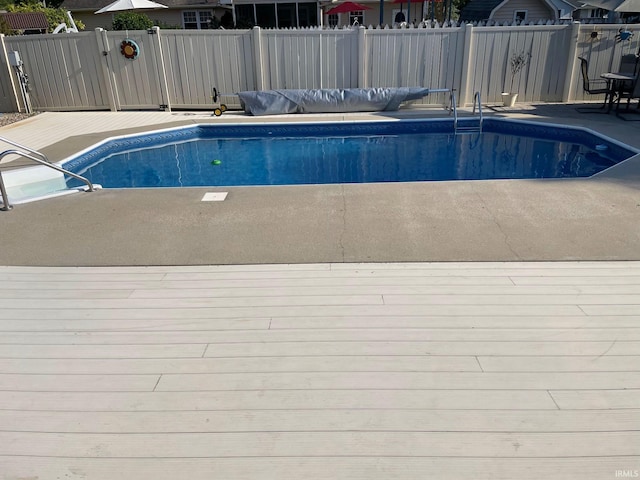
x=629, y=95
x=589, y=86
x=629, y=63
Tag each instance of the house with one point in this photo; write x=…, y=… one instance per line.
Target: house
x=185, y=14
x=518, y=10
x=196, y=14
x=604, y=11
x=26, y=23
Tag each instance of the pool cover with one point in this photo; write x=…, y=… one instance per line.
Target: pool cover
x=274, y=102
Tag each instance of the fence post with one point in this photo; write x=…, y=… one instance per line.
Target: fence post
x=320, y=59
x=467, y=56
x=363, y=81
x=162, y=73
x=257, y=55
x=103, y=47
x=569, y=78
x=12, y=98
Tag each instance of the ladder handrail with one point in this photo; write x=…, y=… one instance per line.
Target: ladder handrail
x=34, y=157
x=23, y=147
x=454, y=109
x=5, y=198
x=477, y=99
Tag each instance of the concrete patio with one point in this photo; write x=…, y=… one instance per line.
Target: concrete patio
x=573, y=219
x=344, y=331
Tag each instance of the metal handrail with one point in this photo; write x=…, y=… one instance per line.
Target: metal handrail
x=22, y=147
x=38, y=158
x=454, y=109
x=477, y=99
x=5, y=198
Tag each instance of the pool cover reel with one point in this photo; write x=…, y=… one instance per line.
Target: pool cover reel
x=274, y=102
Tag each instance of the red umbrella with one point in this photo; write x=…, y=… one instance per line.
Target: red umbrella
x=346, y=7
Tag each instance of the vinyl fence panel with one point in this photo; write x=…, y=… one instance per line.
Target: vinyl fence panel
x=309, y=59
x=198, y=61
x=339, y=58
x=64, y=70
x=542, y=78
x=8, y=93
x=421, y=57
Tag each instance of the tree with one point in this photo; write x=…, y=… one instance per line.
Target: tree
x=131, y=21
x=5, y=29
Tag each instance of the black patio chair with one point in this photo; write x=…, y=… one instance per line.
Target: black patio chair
x=634, y=92
x=593, y=87
x=629, y=64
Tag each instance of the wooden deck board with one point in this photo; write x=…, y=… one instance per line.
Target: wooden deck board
x=484, y=370
x=322, y=444
x=283, y=400
x=235, y=365
x=335, y=420
x=324, y=348
x=321, y=468
x=366, y=333
x=402, y=381
x=359, y=306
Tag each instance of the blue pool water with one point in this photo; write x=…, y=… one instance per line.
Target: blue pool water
x=287, y=154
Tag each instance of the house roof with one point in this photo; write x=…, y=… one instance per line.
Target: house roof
x=576, y=4
x=616, y=5
x=478, y=10
x=93, y=5
x=26, y=21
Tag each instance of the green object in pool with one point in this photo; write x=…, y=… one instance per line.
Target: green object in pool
x=216, y=162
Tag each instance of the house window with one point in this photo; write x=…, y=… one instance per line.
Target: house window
x=332, y=19
x=520, y=16
x=356, y=17
x=245, y=16
x=307, y=14
x=273, y=15
x=266, y=15
x=286, y=15
x=196, y=20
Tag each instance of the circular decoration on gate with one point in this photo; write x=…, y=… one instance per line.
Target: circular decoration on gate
x=129, y=49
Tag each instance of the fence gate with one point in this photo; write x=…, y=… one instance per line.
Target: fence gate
x=136, y=66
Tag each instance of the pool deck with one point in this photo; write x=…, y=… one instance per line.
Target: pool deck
x=513, y=220
x=450, y=330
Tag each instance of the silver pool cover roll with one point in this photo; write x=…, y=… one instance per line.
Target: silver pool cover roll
x=274, y=102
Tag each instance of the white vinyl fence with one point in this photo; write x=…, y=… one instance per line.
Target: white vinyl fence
x=180, y=68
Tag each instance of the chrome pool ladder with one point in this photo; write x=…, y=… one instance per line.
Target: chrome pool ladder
x=38, y=157
x=475, y=127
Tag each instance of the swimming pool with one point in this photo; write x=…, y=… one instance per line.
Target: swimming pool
x=320, y=153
